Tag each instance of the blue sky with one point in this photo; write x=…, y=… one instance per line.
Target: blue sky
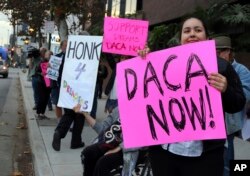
x=5, y=29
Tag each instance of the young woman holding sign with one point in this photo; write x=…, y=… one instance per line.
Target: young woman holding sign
x=196, y=158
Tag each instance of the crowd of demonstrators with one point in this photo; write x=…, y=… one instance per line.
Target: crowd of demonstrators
x=200, y=157
x=68, y=117
x=234, y=122
x=177, y=159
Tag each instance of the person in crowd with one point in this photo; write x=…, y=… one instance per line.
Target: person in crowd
x=43, y=89
x=110, y=90
x=234, y=122
x=43, y=50
x=55, y=84
x=107, y=153
x=205, y=157
x=102, y=74
x=68, y=117
x=102, y=155
x=35, y=59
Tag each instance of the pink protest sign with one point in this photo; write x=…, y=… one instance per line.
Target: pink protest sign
x=44, y=67
x=124, y=36
x=166, y=98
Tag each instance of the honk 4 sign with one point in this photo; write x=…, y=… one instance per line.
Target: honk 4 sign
x=80, y=72
x=124, y=36
x=166, y=97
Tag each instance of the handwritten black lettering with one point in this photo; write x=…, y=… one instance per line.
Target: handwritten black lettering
x=151, y=114
x=117, y=46
x=212, y=123
x=71, y=48
x=194, y=111
x=131, y=93
x=84, y=50
x=189, y=75
x=153, y=78
x=169, y=86
x=179, y=125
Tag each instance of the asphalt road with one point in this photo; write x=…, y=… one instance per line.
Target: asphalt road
x=15, y=155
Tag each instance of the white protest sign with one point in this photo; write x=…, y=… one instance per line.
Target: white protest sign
x=53, y=69
x=80, y=72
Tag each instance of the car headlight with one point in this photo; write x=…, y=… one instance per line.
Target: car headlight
x=4, y=67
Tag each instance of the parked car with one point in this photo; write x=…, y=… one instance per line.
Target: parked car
x=3, y=69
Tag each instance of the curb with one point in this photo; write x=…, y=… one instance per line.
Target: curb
x=40, y=157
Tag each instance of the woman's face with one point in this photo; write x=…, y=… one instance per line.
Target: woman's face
x=192, y=31
x=47, y=55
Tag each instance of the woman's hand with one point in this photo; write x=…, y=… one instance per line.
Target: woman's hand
x=143, y=53
x=77, y=108
x=115, y=150
x=218, y=81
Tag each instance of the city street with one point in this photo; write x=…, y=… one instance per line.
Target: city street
x=15, y=152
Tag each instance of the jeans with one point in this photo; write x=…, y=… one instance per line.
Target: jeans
x=94, y=107
x=35, y=80
x=228, y=154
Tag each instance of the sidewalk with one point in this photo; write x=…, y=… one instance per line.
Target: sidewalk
x=66, y=162
x=48, y=162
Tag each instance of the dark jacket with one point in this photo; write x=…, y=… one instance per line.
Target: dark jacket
x=233, y=99
x=112, y=63
x=62, y=55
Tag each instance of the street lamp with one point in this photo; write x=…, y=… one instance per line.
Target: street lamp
x=26, y=42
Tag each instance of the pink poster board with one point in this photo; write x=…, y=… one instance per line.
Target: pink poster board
x=44, y=67
x=124, y=36
x=166, y=97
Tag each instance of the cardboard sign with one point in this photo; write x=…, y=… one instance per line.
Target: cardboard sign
x=80, y=72
x=124, y=36
x=53, y=69
x=166, y=98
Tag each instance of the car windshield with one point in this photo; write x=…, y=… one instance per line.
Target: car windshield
x=1, y=62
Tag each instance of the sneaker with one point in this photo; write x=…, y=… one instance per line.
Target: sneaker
x=77, y=146
x=56, y=143
x=44, y=116
x=39, y=117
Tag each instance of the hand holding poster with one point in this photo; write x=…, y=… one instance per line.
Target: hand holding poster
x=166, y=98
x=80, y=72
x=124, y=36
x=53, y=69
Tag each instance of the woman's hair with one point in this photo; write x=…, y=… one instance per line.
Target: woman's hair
x=189, y=17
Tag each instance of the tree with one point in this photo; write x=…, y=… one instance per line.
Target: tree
x=29, y=12
x=35, y=12
x=163, y=36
